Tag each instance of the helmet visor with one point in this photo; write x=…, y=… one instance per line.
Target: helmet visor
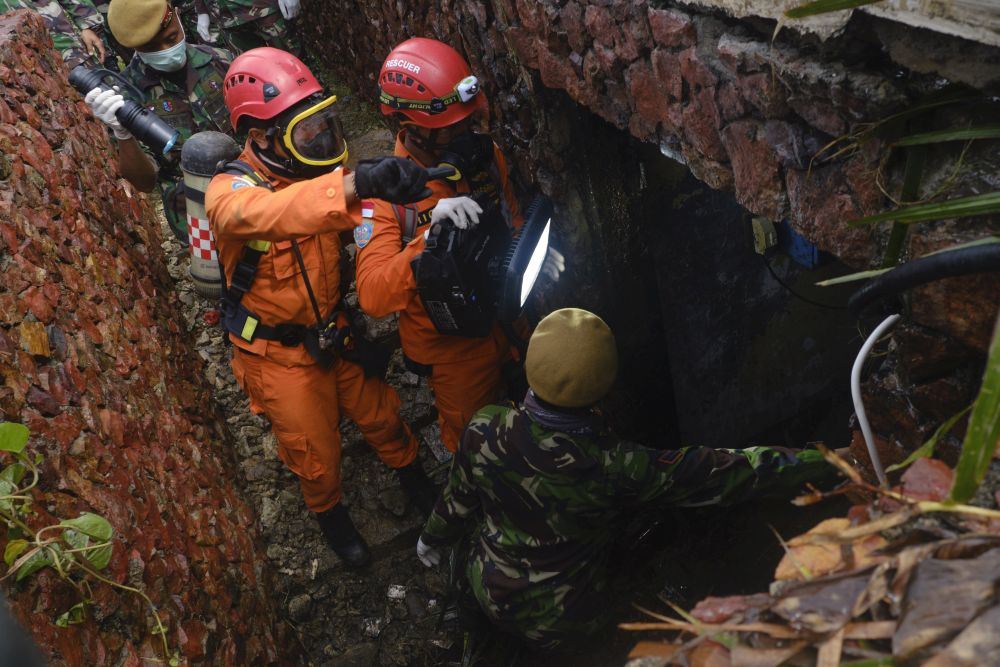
x=315, y=135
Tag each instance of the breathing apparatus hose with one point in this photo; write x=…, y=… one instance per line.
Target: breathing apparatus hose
x=977, y=259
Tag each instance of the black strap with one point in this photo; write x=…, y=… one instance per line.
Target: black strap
x=406, y=217
x=246, y=268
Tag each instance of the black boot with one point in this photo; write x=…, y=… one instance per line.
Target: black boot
x=343, y=537
x=418, y=487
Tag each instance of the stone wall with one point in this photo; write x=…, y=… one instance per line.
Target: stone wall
x=96, y=361
x=744, y=114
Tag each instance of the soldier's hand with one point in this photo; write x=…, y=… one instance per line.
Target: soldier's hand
x=393, y=179
x=93, y=43
x=463, y=211
x=429, y=556
x=104, y=104
x=289, y=8
x=205, y=28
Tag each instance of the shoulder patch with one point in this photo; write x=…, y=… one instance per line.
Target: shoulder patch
x=363, y=233
x=242, y=182
x=367, y=209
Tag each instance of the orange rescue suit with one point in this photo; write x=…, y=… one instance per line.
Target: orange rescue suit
x=465, y=372
x=303, y=400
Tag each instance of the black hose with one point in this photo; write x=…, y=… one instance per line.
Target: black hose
x=977, y=259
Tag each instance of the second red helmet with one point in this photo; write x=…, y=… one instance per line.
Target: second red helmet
x=262, y=83
x=429, y=83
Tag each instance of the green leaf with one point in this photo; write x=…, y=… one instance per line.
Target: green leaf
x=983, y=132
x=91, y=524
x=984, y=429
x=99, y=555
x=960, y=207
x=13, y=473
x=13, y=437
x=14, y=549
x=75, y=614
x=851, y=277
x=75, y=538
x=174, y=661
x=39, y=458
x=927, y=448
x=825, y=7
x=41, y=558
x=988, y=240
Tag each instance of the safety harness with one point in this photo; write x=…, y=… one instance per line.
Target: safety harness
x=323, y=342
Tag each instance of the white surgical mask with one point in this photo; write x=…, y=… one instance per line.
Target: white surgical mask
x=169, y=59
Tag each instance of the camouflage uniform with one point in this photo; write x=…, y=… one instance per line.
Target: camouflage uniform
x=544, y=491
x=190, y=101
x=64, y=20
x=248, y=24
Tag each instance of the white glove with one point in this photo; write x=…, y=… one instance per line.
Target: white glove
x=205, y=28
x=463, y=211
x=289, y=8
x=429, y=556
x=554, y=264
x=104, y=104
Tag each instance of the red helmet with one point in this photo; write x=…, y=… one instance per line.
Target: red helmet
x=429, y=83
x=261, y=83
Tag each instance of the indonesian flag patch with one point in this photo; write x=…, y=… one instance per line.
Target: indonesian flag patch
x=367, y=209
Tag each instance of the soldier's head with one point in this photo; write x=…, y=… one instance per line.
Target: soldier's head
x=153, y=29
x=290, y=123
x=572, y=360
x=428, y=88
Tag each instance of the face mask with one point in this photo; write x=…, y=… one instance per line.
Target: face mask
x=469, y=153
x=169, y=59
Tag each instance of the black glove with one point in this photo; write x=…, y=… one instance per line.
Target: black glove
x=393, y=179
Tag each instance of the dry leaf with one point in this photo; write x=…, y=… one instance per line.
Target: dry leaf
x=818, y=559
x=830, y=650
x=653, y=650
x=744, y=656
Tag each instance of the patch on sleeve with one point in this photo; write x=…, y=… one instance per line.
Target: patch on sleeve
x=242, y=182
x=363, y=233
x=367, y=209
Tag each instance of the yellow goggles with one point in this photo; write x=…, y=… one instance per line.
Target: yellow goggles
x=315, y=136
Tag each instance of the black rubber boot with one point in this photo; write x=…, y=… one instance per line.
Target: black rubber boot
x=418, y=487
x=343, y=537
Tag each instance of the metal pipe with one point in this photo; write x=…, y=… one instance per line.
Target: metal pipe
x=859, y=406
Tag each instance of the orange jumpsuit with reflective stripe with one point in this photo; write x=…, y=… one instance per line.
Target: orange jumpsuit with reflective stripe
x=466, y=372
x=303, y=400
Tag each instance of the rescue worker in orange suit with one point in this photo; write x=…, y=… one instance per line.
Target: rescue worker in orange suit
x=277, y=214
x=428, y=88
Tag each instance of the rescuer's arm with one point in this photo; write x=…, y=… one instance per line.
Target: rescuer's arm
x=384, y=277
x=704, y=476
x=136, y=167
x=238, y=209
x=458, y=503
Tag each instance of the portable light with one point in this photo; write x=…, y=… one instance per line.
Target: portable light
x=468, y=279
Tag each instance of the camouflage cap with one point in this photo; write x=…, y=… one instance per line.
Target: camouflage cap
x=572, y=360
x=136, y=22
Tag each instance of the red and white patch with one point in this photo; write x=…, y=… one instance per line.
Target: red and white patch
x=367, y=209
x=202, y=241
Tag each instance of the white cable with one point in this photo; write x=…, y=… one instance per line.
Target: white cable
x=859, y=406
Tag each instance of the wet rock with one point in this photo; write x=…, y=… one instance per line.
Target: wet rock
x=360, y=655
x=394, y=500
x=299, y=607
